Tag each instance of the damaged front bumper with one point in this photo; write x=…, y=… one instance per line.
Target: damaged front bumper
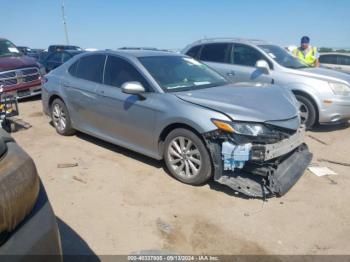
x=256, y=169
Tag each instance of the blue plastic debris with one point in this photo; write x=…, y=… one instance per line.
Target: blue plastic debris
x=234, y=156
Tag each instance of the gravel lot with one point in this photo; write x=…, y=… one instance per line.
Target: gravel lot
x=118, y=202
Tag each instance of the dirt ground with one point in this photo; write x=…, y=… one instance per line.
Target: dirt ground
x=118, y=202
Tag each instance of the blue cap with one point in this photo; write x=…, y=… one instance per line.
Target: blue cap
x=305, y=40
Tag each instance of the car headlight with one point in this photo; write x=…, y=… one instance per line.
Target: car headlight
x=339, y=88
x=242, y=128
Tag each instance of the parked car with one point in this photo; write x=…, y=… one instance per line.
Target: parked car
x=172, y=107
x=20, y=75
x=29, y=51
x=337, y=61
x=28, y=225
x=55, y=59
x=24, y=49
x=54, y=48
x=323, y=94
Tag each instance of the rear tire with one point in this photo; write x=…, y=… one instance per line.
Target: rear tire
x=307, y=111
x=187, y=157
x=60, y=118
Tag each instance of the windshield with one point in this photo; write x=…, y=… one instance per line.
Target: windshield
x=177, y=73
x=72, y=47
x=282, y=57
x=8, y=49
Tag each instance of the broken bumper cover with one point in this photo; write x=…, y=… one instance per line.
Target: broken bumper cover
x=277, y=182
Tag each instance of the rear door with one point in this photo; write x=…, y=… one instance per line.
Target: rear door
x=126, y=119
x=216, y=55
x=80, y=87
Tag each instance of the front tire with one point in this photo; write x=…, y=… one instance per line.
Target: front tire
x=187, y=158
x=60, y=118
x=307, y=111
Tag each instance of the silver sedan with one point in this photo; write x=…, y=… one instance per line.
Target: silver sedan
x=172, y=107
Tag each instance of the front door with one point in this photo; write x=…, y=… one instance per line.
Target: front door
x=242, y=63
x=125, y=119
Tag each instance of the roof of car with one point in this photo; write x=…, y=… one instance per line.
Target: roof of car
x=140, y=53
x=231, y=39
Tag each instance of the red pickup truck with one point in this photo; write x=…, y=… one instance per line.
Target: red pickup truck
x=20, y=75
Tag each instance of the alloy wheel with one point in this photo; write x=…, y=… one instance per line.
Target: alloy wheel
x=304, y=112
x=184, y=157
x=59, y=117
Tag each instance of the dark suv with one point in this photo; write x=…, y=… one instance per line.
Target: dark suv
x=20, y=75
x=27, y=223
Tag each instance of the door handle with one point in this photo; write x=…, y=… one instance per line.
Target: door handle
x=67, y=85
x=231, y=73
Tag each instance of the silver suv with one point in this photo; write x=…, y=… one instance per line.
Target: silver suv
x=324, y=94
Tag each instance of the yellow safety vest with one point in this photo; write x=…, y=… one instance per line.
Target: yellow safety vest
x=309, y=58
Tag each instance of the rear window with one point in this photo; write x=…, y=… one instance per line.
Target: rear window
x=73, y=68
x=89, y=68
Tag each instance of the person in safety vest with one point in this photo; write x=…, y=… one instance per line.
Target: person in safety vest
x=306, y=53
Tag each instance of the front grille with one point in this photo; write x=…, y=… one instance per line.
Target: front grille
x=8, y=82
x=18, y=76
x=31, y=78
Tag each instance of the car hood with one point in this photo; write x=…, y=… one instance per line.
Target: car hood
x=14, y=62
x=246, y=102
x=324, y=74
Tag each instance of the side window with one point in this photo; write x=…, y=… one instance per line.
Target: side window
x=245, y=55
x=73, y=68
x=193, y=52
x=118, y=71
x=91, y=68
x=215, y=52
x=328, y=59
x=344, y=60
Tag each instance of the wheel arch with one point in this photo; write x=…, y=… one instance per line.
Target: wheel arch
x=52, y=98
x=170, y=127
x=312, y=100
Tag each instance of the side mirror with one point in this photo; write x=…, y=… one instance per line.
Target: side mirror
x=263, y=66
x=133, y=88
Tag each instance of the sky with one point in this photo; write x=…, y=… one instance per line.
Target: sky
x=173, y=24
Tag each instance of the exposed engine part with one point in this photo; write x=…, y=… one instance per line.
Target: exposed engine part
x=234, y=156
x=277, y=182
x=258, y=169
